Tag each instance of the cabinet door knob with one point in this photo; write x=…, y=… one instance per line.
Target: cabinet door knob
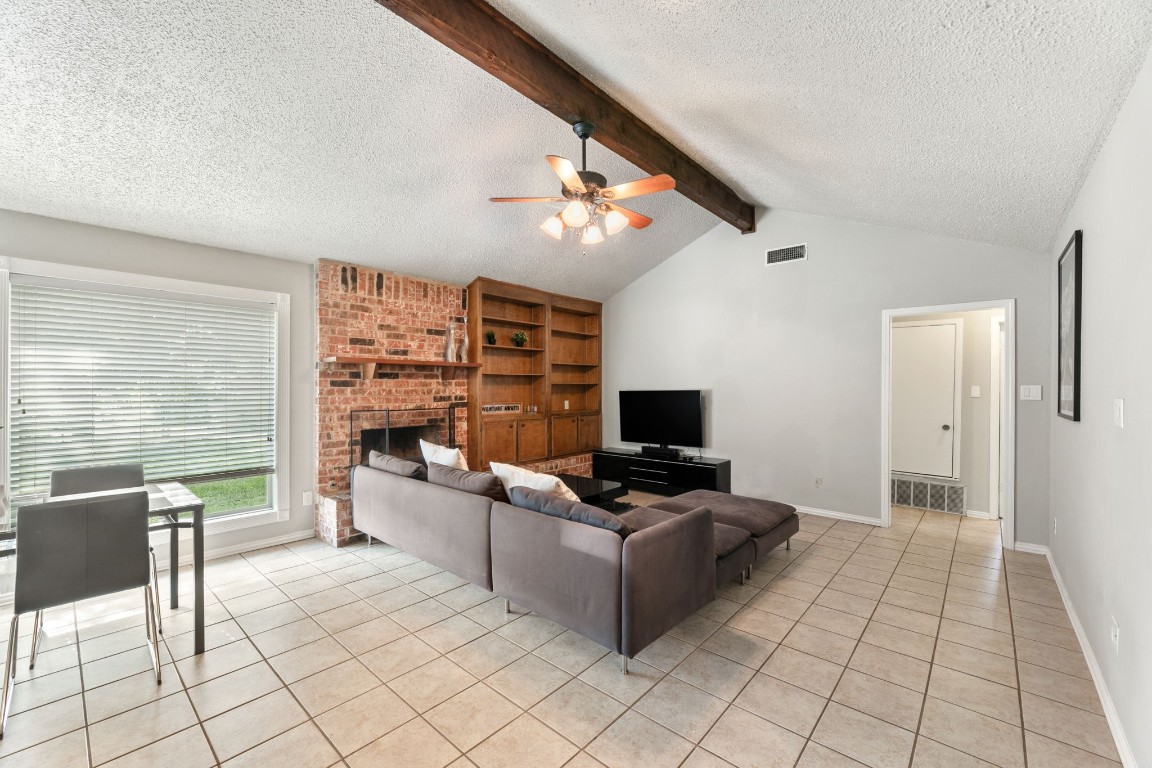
x=946, y=427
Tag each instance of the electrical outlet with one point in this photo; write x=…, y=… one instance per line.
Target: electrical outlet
x=1118, y=412
x=819, y=482
x=1053, y=526
x=307, y=498
x=1115, y=635
x=565, y=405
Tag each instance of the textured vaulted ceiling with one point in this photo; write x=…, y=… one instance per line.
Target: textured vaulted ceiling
x=307, y=129
x=968, y=118
x=299, y=129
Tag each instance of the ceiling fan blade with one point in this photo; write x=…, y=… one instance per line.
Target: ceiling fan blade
x=567, y=173
x=635, y=220
x=527, y=200
x=660, y=183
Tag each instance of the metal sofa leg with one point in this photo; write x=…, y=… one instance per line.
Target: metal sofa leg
x=742, y=577
x=787, y=543
x=507, y=606
x=623, y=664
x=9, y=672
x=37, y=631
x=156, y=591
x=369, y=538
x=150, y=627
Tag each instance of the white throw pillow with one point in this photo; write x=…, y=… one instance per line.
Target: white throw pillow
x=438, y=454
x=512, y=476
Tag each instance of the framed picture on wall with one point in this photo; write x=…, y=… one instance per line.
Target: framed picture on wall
x=1068, y=376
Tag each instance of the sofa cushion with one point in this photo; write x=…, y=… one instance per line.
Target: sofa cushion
x=727, y=538
x=512, y=476
x=479, y=483
x=438, y=454
x=757, y=516
x=576, y=511
x=395, y=466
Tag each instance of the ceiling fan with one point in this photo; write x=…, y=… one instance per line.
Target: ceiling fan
x=592, y=205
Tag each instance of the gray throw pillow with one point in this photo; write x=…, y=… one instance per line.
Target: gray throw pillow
x=395, y=466
x=576, y=511
x=478, y=483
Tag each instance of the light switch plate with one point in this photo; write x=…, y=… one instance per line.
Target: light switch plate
x=1118, y=412
x=975, y=390
x=1031, y=392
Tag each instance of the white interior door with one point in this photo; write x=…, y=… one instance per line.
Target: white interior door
x=925, y=376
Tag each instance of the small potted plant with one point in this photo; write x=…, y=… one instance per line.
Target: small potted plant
x=489, y=337
x=519, y=338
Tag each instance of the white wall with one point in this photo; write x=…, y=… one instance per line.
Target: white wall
x=791, y=353
x=36, y=237
x=1102, y=476
x=975, y=424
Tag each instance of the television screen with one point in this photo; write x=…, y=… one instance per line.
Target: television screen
x=662, y=417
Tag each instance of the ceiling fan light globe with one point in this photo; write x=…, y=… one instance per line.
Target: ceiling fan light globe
x=614, y=222
x=554, y=226
x=575, y=214
x=592, y=235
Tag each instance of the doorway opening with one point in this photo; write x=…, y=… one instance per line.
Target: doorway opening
x=947, y=411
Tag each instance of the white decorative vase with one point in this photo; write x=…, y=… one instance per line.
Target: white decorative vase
x=464, y=345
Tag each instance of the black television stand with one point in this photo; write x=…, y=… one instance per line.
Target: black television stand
x=660, y=452
x=667, y=477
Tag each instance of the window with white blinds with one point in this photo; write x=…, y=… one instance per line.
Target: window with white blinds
x=104, y=375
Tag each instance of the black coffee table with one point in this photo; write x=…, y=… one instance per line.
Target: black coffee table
x=593, y=491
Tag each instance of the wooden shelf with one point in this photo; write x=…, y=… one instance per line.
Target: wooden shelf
x=506, y=321
x=497, y=373
x=368, y=365
x=579, y=334
x=509, y=346
x=579, y=365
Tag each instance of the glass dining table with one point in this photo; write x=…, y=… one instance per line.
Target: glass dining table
x=171, y=507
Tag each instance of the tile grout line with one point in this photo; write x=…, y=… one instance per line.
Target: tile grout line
x=935, y=645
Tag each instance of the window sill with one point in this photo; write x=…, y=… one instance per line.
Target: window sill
x=227, y=523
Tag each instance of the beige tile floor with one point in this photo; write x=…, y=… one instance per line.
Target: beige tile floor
x=921, y=645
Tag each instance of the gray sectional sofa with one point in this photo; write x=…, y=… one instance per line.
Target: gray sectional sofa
x=622, y=581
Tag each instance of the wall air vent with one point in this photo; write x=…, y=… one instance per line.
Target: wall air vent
x=791, y=253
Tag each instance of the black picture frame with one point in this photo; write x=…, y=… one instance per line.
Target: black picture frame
x=1069, y=290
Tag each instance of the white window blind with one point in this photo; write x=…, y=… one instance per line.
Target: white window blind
x=105, y=375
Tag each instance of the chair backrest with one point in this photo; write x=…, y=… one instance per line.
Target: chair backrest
x=80, y=548
x=111, y=477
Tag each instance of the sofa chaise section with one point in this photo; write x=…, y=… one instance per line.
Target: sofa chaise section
x=622, y=592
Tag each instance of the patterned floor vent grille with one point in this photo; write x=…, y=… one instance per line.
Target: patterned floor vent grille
x=925, y=494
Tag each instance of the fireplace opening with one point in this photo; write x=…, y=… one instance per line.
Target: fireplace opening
x=402, y=442
x=399, y=432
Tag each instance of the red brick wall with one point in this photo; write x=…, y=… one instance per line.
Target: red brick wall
x=366, y=312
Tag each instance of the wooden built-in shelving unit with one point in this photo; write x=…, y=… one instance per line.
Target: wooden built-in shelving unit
x=554, y=377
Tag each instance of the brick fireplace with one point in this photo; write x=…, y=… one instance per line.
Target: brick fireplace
x=366, y=312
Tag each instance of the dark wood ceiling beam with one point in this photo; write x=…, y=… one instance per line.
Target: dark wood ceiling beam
x=491, y=41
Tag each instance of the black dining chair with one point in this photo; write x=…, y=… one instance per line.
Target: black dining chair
x=109, y=477
x=75, y=549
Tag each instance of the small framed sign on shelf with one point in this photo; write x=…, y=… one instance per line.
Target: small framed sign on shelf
x=501, y=408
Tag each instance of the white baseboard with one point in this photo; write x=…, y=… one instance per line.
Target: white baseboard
x=980, y=515
x=1127, y=756
x=218, y=552
x=840, y=516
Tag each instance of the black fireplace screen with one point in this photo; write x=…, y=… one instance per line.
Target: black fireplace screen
x=398, y=431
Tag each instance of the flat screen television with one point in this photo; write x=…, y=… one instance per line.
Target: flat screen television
x=662, y=417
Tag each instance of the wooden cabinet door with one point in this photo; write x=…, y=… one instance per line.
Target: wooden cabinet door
x=564, y=435
x=532, y=439
x=498, y=442
x=589, y=432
